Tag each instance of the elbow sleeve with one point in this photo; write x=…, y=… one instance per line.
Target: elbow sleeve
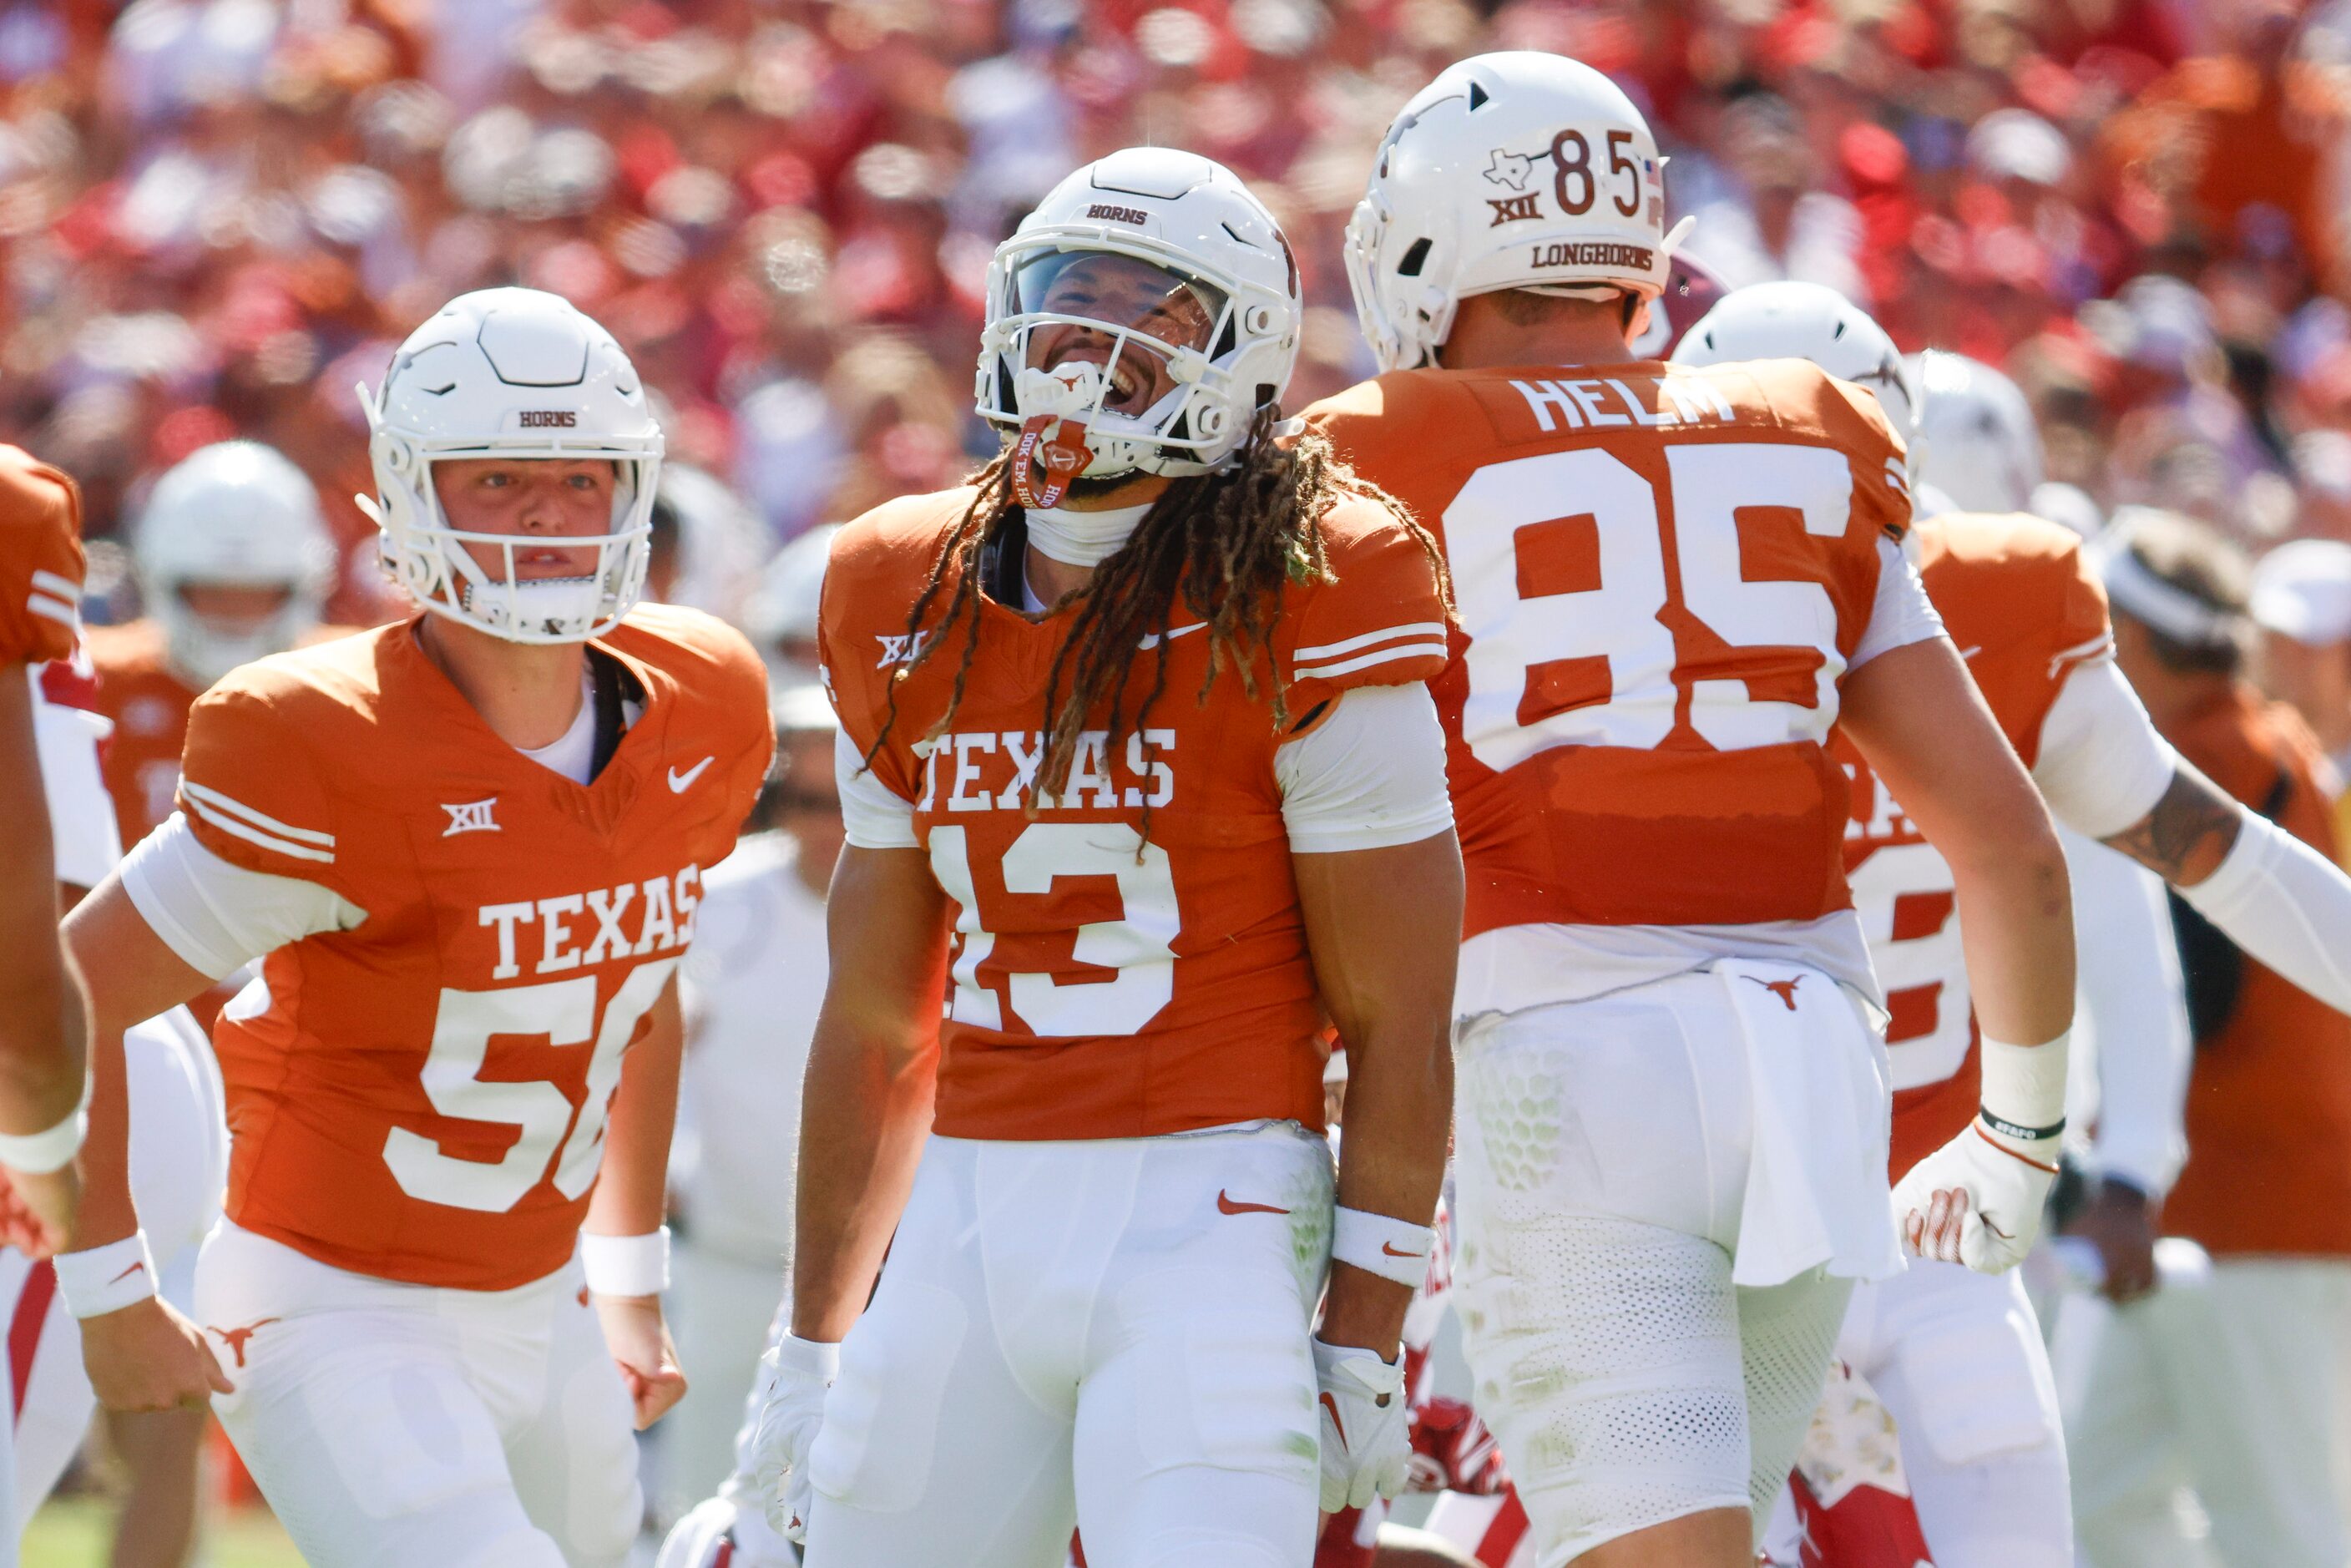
x=2287, y=906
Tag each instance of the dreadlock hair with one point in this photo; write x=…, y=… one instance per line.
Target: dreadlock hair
x=1225, y=545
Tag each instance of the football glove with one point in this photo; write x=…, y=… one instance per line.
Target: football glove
x=725, y=1533
x=1973, y=1201
x=791, y=1407
x=1366, y=1426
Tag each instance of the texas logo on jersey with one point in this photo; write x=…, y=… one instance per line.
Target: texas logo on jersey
x=1662, y=574
x=40, y=560
x=2026, y=610
x=1129, y=957
x=420, y=1094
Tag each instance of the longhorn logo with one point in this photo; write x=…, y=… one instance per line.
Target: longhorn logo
x=237, y=1339
x=1784, y=990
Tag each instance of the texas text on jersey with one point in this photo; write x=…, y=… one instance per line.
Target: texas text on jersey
x=2025, y=611
x=420, y=1095
x=1693, y=558
x=1129, y=957
x=40, y=560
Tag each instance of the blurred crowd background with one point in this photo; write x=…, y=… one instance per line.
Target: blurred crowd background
x=217, y=216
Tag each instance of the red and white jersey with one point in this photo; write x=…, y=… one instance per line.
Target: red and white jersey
x=1107, y=981
x=40, y=560
x=1663, y=575
x=420, y=1094
x=2025, y=611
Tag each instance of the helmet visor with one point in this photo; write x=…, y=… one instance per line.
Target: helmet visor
x=1126, y=315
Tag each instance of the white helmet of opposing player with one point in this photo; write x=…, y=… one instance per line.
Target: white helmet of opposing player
x=516, y=373
x=235, y=515
x=1149, y=308
x=1806, y=322
x=1980, y=431
x=1519, y=170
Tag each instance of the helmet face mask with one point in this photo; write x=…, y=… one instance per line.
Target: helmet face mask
x=238, y=527
x=514, y=375
x=1139, y=318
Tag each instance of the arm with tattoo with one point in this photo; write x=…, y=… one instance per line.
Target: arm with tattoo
x=2187, y=834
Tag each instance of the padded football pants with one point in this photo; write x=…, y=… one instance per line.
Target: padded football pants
x=1111, y=1335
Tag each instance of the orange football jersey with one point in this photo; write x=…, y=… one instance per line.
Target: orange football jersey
x=1661, y=574
x=1103, y=984
x=2025, y=609
x=2269, y=1100
x=422, y=1097
x=40, y=560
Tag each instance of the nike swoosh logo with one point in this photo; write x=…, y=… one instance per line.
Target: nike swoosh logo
x=1389, y=1247
x=1151, y=640
x=1224, y=1205
x=1336, y=1425
x=1971, y=652
x=127, y=1273
x=679, y=783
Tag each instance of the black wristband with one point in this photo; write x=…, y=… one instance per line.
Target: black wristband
x=2030, y=1134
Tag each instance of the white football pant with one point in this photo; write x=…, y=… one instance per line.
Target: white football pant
x=179, y=1162
x=1957, y=1358
x=1602, y=1159
x=1111, y=1335
x=2234, y=1388
x=395, y=1426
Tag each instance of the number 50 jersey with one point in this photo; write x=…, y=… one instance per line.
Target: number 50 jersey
x=419, y=1092
x=1663, y=575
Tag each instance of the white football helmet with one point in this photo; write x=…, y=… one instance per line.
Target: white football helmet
x=511, y=372
x=1806, y=321
x=1980, y=431
x=781, y=613
x=233, y=514
x=1149, y=305
x=1520, y=170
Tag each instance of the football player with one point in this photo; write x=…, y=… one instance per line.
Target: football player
x=177, y=1165
x=234, y=562
x=1137, y=753
x=467, y=848
x=1957, y=1358
x=43, y=1022
x=1673, y=584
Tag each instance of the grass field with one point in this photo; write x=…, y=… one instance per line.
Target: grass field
x=71, y=1532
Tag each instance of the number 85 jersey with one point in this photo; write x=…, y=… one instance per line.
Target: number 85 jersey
x=1663, y=576
x=461, y=943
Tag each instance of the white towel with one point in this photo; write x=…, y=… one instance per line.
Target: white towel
x=1817, y=1194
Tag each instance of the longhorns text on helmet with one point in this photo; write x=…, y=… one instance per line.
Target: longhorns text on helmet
x=236, y=514
x=1510, y=171
x=1228, y=350
x=511, y=373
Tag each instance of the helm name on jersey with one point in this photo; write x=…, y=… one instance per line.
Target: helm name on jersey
x=1593, y=402
x=579, y=930
x=995, y=771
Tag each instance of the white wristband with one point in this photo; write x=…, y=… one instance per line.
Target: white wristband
x=38, y=1153
x=2024, y=1095
x=626, y=1265
x=106, y=1279
x=1379, y=1244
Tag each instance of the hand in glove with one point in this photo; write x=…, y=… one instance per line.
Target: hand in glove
x=1366, y=1426
x=798, y=1372
x=1975, y=1201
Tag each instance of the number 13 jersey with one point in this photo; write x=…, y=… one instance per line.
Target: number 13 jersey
x=1129, y=958
x=1664, y=575
x=417, y=1087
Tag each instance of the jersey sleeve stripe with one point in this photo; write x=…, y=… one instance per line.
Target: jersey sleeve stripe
x=1426, y=649
x=41, y=604
x=63, y=587
x=210, y=797
x=1388, y=634
x=228, y=824
x=2088, y=650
